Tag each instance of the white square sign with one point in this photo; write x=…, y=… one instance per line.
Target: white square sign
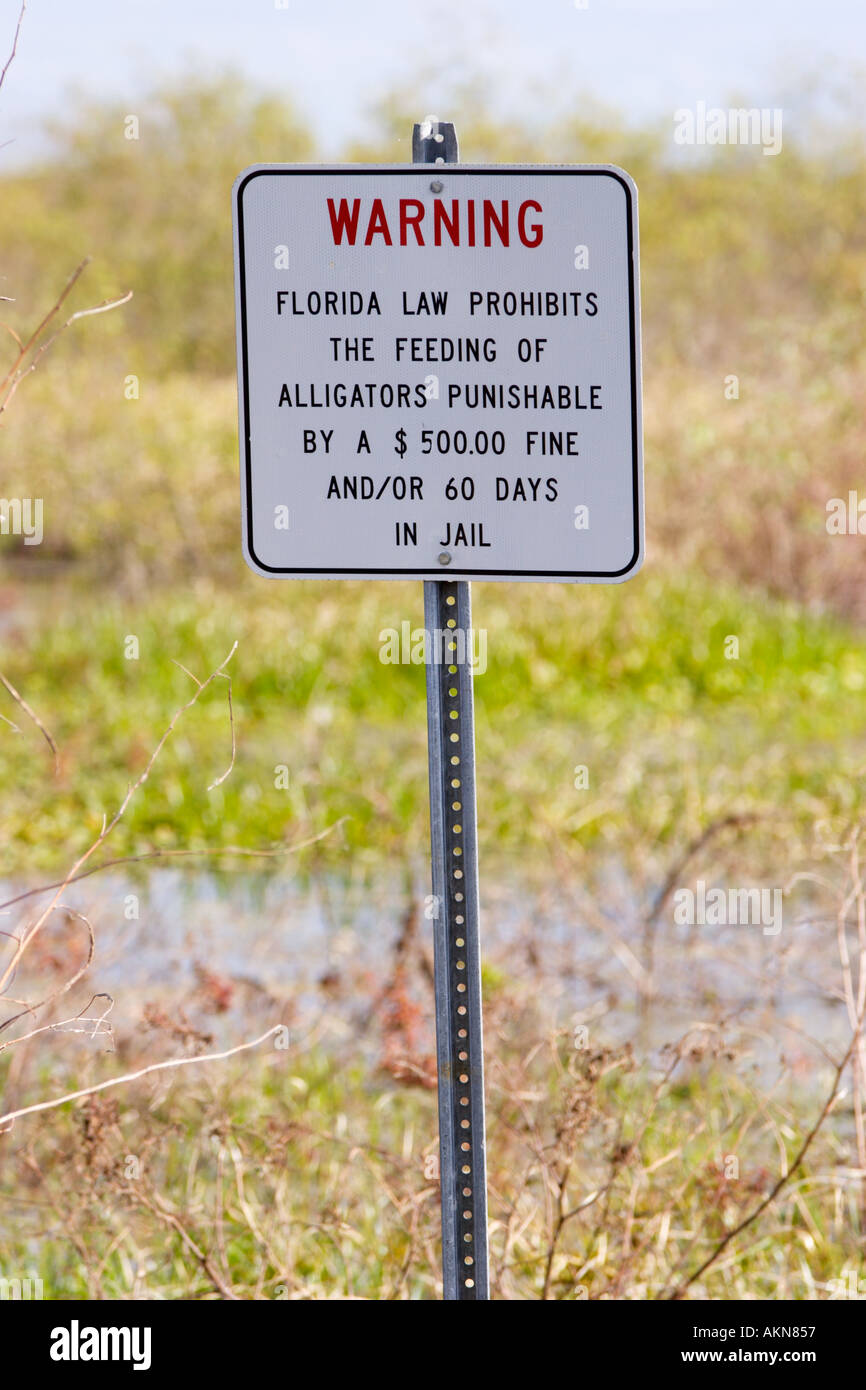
x=439, y=372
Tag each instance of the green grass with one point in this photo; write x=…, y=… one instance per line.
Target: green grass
x=632, y=682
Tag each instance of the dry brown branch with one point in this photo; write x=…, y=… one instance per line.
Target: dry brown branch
x=62, y=989
x=55, y=308
x=854, y=994
x=32, y=715
x=219, y=781
x=43, y=347
x=108, y=826
x=75, y=1024
x=564, y=1214
x=734, y=821
x=8, y=63
x=680, y=1290
x=169, y=1218
x=21, y=367
x=229, y=850
x=13, y=1115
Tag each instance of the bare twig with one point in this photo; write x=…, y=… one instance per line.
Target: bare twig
x=219, y=781
x=108, y=826
x=729, y=822
x=679, y=1291
x=230, y=850
x=8, y=63
x=31, y=714
x=34, y=336
x=63, y=989
x=67, y=1025
x=157, y=1207
x=19, y=373
x=8, y=1119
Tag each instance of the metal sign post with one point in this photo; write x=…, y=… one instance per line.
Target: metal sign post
x=457, y=947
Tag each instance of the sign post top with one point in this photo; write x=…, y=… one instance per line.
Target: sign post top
x=439, y=370
x=434, y=142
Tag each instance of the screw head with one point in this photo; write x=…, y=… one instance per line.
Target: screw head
x=436, y=186
x=445, y=558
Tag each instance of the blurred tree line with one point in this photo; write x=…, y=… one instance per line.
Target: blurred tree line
x=734, y=244
x=753, y=294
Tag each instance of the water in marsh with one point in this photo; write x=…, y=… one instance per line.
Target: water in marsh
x=248, y=944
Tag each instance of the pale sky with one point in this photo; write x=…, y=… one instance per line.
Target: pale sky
x=337, y=57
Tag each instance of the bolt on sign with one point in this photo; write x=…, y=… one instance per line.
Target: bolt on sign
x=439, y=372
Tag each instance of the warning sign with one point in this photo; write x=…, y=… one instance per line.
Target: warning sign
x=439, y=372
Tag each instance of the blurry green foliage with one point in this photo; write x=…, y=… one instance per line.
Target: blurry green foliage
x=155, y=215
x=733, y=244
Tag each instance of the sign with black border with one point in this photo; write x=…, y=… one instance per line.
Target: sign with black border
x=439, y=372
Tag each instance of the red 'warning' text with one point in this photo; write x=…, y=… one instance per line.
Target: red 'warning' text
x=463, y=223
